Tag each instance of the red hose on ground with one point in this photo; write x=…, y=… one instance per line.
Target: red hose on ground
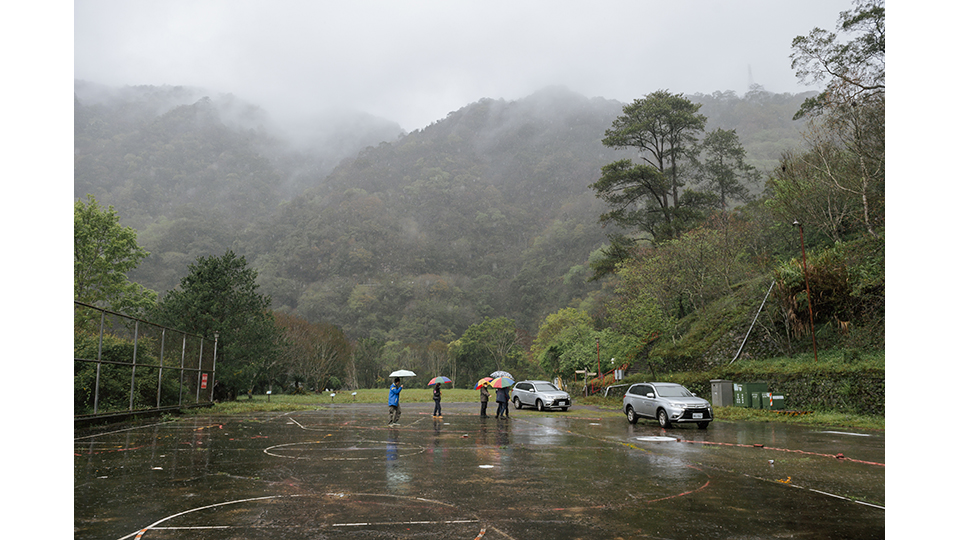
x=836, y=456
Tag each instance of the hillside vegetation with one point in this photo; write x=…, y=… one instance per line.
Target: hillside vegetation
x=484, y=213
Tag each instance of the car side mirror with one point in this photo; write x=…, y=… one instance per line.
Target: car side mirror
x=649, y=395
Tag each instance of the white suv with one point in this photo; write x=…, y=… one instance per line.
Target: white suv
x=540, y=394
x=668, y=403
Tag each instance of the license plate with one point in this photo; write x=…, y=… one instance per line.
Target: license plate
x=698, y=416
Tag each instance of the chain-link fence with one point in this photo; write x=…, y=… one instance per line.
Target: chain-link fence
x=122, y=363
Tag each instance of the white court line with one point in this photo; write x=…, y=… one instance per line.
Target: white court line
x=845, y=498
x=154, y=526
x=139, y=534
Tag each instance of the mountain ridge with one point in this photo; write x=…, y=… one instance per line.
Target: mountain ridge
x=486, y=212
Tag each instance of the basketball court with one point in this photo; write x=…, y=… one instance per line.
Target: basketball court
x=341, y=472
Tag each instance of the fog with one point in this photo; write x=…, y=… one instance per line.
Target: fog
x=413, y=62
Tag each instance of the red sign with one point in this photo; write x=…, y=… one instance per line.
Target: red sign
x=203, y=380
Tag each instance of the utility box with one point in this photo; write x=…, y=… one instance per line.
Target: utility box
x=748, y=394
x=740, y=396
x=722, y=392
x=772, y=401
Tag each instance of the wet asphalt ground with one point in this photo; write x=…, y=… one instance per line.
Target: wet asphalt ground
x=341, y=472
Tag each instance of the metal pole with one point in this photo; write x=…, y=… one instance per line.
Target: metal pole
x=163, y=335
x=133, y=370
x=599, y=371
x=183, y=358
x=199, y=370
x=213, y=375
x=96, y=386
x=806, y=282
x=753, y=323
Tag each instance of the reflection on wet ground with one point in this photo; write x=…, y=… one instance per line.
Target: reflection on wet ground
x=340, y=472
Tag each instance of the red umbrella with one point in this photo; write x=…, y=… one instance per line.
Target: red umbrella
x=441, y=379
x=483, y=381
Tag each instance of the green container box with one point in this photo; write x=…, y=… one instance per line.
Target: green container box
x=774, y=402
x=740, y=397
x=757, y=400
x=743, y=394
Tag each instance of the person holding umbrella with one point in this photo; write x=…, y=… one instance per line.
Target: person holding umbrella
x=393, y=402
x=436, y=401
x=502, y=400
x=484, y=398
x=436, y=382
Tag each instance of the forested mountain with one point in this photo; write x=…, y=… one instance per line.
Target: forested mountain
x=153, y=151
x=407, y=237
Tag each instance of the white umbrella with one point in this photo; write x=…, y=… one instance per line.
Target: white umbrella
x=496, y=374
x=403, y=373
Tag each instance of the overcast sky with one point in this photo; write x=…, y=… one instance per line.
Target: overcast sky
x=415, y=61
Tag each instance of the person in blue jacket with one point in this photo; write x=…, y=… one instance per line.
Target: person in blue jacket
x=393, y=402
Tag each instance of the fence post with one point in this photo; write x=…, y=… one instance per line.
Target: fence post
x=163, y=335
x=133, y=370
x=199, y=370
x=183, y=357
x=96, y=386
x=213, y=374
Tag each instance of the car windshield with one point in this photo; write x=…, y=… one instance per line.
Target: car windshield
x=545, y=387
x=673, y=391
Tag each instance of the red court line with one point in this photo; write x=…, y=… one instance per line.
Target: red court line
x=840, y=457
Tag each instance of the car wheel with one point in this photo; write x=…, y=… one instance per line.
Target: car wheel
x=516, y=402
x=703, y=425
x=539, y=405
x=662, y=418
x=631, y=415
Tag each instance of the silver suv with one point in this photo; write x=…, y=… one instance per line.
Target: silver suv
x=540, y=394
x=668, y=403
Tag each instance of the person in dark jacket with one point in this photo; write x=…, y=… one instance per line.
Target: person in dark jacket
x=502, y=400
x=436, y=401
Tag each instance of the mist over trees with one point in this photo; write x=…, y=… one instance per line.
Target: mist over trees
x=546, y=224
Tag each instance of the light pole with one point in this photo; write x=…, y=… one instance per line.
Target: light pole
x=599, y=371
x=806, y=282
